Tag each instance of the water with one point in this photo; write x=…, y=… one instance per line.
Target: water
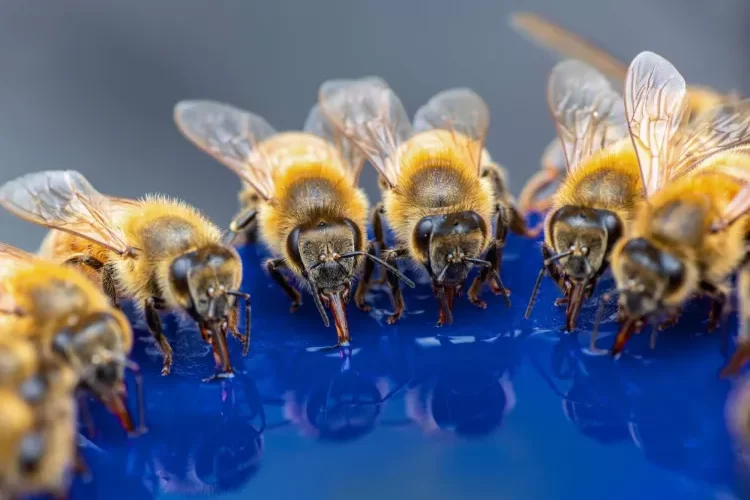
x=494, y=406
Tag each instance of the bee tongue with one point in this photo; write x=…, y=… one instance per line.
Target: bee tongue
x=116, y=404
x=626, y=331
x=336, y=305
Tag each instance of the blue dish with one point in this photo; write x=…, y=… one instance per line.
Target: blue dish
x=493, y=406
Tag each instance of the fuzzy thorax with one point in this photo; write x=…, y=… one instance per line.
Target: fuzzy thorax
x=162, y=229
x=305, y=195
x=435, y=181
x=679, y=218
x=608, y=180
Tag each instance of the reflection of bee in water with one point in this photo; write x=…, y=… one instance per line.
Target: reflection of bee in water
x=312, y=217
x=442, y=190
x=158, y=251
x=72, y=323
x=687, y=237
x=222, y=455
x=38, y=437
x=471, y=395
x=343, y=408
x=593, y=394
x=599, y=195
x=562, y=42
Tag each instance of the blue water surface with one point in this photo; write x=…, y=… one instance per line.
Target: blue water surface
x=491, y=407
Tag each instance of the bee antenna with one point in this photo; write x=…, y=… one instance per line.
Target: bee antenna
x=538, y=283
x=441, y=277
x=503, y=290
x=556, y=257
x=383, y=263
x=319, y=263
x=479, y=262
x=534, y=293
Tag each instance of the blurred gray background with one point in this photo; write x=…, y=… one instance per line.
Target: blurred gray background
x=90, y=85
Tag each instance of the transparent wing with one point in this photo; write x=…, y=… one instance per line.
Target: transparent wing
x=462, y=112
x=65, y=200
x=656, y=104
x=11, y=260
x=317, y=123
x=738, y=207
x=562, y=42
x=230, y=135
x=724, y=127
x=370, y=114
x=588, y=114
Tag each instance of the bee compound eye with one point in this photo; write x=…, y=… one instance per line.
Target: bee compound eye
x=107, y=373
x=30, y=453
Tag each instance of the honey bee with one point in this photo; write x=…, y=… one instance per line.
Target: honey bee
x=53, y=314
x=160, y=252
x=535, y=196
x=690, y=234
x=312, y=216
x=38, y=438
x=598, y=197
x=441, y=185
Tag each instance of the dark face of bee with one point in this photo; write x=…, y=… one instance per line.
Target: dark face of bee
x=649, y=275
x=202, y=279
x=588, y=234
x=95, y=343
x=318, y=250
x=444, y=241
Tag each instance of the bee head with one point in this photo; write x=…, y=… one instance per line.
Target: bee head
x=95, y=343
x=587, y=236
x=317, y=249
x=97, y=346
x=446, y=242
x=647, y=276
x=202, y=279
x=328, y=253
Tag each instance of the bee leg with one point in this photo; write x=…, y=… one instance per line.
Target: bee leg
x=110, y=285
x=234, y=319
x=273, y=266
x=85, y=411
x=107, y=274
x=243, y=222
x=379, y=232
x=496, y=257
x=554, y=272
x=81, y=467
x=251, y=233
x=364, y=283
x=391, y=256
x=671, y=320
x=716, y=312
x=475, y=290
x=154, y=326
